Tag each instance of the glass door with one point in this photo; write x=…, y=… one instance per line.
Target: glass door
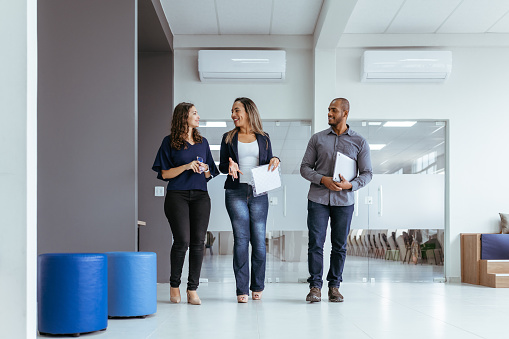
x=398, y=224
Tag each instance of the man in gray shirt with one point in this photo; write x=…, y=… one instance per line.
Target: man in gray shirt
x=330, y=199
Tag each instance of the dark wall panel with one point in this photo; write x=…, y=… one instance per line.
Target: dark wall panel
x=155, y=109
x=87, y=126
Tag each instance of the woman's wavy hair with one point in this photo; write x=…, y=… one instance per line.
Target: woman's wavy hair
x=180, y=128
x=255, y=122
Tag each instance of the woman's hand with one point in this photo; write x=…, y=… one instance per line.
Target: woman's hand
x=233, y=169
x=194, y=166
x=274, y=163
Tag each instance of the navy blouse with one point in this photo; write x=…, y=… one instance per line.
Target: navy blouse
x=168, y=157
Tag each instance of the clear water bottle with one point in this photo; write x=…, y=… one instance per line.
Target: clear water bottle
x=202, y=168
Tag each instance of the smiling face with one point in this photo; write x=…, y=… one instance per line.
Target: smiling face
x=239, y=115
x=337, y=115
x=193, y=119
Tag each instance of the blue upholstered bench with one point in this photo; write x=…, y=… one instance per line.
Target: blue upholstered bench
x=72, y=293
x=494, y=246
x=132, y=284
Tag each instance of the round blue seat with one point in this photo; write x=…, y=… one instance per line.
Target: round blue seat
x=132, y=284
x=72, y=293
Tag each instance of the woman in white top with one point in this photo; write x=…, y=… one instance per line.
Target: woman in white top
x=244, y=147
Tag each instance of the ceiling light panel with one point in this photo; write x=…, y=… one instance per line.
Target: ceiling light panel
x=213, y=124
x=399, y=123
x=376, y=147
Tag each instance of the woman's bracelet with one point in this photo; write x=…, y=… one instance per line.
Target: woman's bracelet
x=276, y=158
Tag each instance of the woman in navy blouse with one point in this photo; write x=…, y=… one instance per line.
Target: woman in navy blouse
x=244, y=147
x=185, y=161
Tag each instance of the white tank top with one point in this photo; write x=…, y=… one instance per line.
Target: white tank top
x=249, y=157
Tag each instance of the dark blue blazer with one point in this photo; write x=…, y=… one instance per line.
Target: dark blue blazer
x=231, y=151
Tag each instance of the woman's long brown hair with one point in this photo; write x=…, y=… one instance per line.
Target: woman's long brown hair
x=180, y=128
x=255, y=122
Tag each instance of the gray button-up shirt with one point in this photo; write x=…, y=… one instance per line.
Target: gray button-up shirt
x=320, y=158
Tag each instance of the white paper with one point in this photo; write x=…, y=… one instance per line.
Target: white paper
x=345, y=166
x=265, y=180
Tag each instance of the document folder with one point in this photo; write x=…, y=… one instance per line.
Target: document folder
x=264, y=180
x=345, y=166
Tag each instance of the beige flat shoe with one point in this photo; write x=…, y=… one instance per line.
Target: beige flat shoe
x=257, y=295
x=242, y=299
x=175, y=295
x=192, y=298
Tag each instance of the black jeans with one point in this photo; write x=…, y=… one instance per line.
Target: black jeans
x=188, y=213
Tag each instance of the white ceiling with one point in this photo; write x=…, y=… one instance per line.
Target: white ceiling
x=299, y=17
x=219, y=17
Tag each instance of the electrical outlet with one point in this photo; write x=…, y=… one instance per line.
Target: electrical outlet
x=159, y=191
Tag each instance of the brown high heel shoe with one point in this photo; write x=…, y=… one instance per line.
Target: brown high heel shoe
x=242, y=299
x=175, y=295
x=193, y=300
x=257, y=295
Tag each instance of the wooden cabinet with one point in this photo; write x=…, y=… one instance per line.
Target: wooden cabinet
x=470, y=257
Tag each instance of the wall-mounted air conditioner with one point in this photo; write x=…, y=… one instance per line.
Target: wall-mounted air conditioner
x=243, y=65
x=406, y=66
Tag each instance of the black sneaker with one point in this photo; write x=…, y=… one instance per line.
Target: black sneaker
x=314, y=295
x=334, y=295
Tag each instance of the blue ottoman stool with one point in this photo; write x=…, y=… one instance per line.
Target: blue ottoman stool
x=132, y=284
x=72, y=293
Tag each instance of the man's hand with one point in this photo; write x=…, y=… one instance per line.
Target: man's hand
x=344, y=184
x=331, y=184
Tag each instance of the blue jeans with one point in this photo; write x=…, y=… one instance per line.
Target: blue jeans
x=248, y=215
x=318, y=218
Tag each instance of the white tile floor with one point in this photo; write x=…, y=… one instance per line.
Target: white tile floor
x=379, y=310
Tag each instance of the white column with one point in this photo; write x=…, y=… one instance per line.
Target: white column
x=18, y=168
x=325, y=86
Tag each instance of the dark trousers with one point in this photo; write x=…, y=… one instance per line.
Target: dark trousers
x=318, y=218
x=248, y=215
x=188, y=213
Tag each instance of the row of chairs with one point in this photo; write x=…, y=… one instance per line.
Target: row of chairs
x=396, y=245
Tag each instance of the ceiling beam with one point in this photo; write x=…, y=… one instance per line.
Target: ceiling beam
x=154, y=33
x=332, y=22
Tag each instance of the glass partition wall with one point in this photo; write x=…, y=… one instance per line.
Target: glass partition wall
x=397, y=230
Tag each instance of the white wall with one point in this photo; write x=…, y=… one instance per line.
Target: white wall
x=474, y=102
x=18, y=168
x=290, y=99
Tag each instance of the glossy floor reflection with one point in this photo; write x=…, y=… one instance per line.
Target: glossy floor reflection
x=378, y=310
x=219, y=268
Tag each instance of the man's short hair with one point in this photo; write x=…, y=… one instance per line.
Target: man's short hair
x=345, y=104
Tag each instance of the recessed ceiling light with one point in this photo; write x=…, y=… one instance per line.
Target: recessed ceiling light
x=213, y=124
x=438, y=129
x=400, y=123
x=376, y=147
x=439, y=144
x=374, y=123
